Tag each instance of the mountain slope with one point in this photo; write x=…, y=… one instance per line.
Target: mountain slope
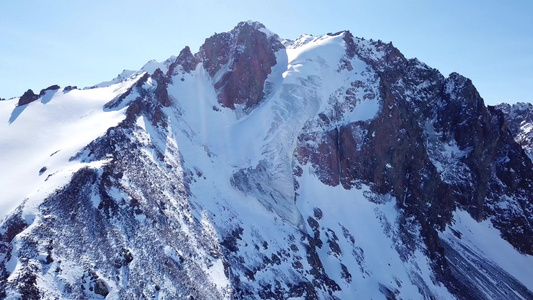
x=328, y=167
x=519, y=119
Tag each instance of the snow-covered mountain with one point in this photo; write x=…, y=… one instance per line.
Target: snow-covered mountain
x=328, y=167
x=519, y=119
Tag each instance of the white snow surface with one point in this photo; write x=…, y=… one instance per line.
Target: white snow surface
x=485, y=240
x=153, y=65
x=300, y=85
x=218, y=143
x=46, y=134
x=221, y=142
x=124, y=75
x=127, y=75
x=372, y=227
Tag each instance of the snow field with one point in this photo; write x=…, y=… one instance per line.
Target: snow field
x=39, y=138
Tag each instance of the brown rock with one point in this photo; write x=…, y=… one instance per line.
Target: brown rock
x=28, y=97
x=161, y=93
x=54, y=87
x=251, y=54
x=186, y=60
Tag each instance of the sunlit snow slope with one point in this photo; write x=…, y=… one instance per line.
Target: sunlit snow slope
x=39, y=138
x=328, y=167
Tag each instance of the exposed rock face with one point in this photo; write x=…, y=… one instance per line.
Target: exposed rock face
x=69, y=88
x=54, y=87
x=244, y=57
x=388, y=152
x=161, y=93
x=216, y=52
x=519, y=120
x=28, y=97
x=186, y=60
x=396, y=152
x=350, y=181
x=494, y=163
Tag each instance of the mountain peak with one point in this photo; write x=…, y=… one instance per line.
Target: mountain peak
x=239, y=62
x=254, y=24
x=329, y=168
x=186, y=60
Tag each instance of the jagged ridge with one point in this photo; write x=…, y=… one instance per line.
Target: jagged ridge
x=262, y=169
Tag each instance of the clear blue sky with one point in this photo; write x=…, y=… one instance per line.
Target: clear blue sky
x=85, y=42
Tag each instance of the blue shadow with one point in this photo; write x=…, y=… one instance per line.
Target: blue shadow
x=16, y=113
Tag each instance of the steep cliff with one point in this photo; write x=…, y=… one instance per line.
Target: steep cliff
x=328, y=167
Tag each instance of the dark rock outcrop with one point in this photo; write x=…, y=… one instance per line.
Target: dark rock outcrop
x=496, y=163
x=186, y=60
x=136, y=221
x=396, y=152
x=101, y=288
x=519, y=119
x=70, y=88
x=246, y=55
x=28, y=97
x=54, y=87
x=161, y=93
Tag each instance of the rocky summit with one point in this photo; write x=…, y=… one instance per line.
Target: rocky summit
x=326, y=167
